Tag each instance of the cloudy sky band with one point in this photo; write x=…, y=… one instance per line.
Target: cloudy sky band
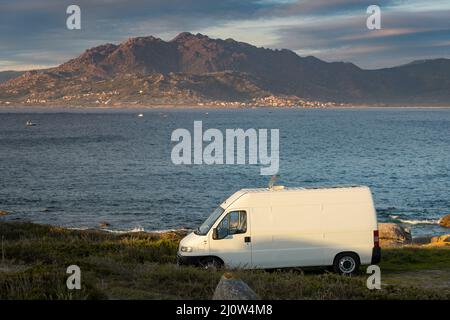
x=33, y=32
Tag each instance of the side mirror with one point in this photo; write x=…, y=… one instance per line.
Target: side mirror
x=214, y=234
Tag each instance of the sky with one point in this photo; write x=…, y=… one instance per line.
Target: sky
x=33, y=33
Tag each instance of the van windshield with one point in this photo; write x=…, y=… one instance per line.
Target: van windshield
x=206, y=226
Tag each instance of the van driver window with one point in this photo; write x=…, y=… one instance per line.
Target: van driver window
x=234, y=222
x=223, y=227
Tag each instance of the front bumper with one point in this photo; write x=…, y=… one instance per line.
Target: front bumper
x=188, y=260
x=376, y=255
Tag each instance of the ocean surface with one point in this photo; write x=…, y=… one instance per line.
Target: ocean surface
x=80, y=168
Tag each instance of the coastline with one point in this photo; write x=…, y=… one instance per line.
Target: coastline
x=72, y=109
x=128, y=107
x=421, y=240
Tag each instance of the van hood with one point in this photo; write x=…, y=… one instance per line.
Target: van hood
x=198, y=243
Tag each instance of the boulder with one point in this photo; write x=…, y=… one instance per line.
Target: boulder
x=392, y=234
x=443, y=238
x=422, y=240
x=103, y=224
x=445, y=221
x=230, y=288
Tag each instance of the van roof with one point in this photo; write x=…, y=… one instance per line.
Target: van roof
x=241, y=192
x=302, y=188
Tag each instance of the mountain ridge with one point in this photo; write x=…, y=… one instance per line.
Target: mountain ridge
x=198, y=69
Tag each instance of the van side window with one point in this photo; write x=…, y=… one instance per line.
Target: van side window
x=234, y=222
x=238, y=222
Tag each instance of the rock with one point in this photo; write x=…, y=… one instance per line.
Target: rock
x=421, y=240
x=103, y=224
x=230, y=288
x=392, y=234
x=443, y=238
x=386, y=243
x=393, y=231
x=445, y=221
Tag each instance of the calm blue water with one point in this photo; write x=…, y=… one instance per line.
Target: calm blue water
x=78, y=169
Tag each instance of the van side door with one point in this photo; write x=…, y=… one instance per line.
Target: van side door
x=230, y=240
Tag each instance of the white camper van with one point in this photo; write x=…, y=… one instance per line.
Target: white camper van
x=288, y=227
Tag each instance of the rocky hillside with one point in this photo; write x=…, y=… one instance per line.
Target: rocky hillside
x=195, y=68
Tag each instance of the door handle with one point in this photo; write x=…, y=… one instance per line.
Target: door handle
x=248, y=239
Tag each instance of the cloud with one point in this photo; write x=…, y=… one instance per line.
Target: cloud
x=404, y=35
x=34, y=32
x=40, y=25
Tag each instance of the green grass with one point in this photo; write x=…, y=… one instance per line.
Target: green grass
x=142, y=266
x=415, y=258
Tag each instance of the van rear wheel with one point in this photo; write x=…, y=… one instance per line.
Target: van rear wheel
x=346, y=263
x=210, y=263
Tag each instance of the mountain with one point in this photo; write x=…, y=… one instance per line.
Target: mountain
x=195, y=68
x=426, y=82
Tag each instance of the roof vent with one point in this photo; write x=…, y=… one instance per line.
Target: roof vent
x=272, y=181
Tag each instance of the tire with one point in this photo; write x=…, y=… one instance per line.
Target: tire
x=346, y=263
x=210, y=263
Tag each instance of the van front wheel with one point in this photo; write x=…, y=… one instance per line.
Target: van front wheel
x=210, y=263
x=346, y=263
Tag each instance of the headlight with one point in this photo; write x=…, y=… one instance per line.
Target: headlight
x=186, y=249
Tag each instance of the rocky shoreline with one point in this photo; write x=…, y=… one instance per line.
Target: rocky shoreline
x=395, y=235
x=390, y=234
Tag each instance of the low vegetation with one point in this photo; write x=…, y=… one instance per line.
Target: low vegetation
x=34, y=259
